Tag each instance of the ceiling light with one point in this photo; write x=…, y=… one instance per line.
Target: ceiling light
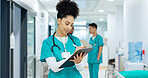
x=101, y=11
x=30, y=21
x=101, y=19
x=110, y=0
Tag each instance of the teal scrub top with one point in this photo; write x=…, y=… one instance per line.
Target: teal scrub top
x=93, y=54
x=68, y=72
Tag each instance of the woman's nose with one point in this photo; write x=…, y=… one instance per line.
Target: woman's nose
x=69, y=27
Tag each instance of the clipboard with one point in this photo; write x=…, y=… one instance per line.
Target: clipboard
x=85, y=43
x=69, y=63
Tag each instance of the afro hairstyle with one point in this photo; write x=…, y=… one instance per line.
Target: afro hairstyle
x=67, y=7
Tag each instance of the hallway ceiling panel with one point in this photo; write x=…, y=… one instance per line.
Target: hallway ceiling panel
x=88, y=8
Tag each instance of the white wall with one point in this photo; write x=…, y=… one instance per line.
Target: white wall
x=41, y=34
x=119, y=26
x=111, y=34
x=136, y=25
x=115, y=33
x=41, y=28
x=102, y=27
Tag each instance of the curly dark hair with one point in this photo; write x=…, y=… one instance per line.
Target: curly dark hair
x=67, y=7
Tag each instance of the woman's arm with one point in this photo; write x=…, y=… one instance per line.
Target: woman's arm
x=80, y=66
x=51, y=61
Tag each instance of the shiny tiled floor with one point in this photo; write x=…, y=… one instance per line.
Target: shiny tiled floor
x=85, y=73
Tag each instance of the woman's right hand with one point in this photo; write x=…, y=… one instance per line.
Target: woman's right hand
x=77, y=48
x=77, y=59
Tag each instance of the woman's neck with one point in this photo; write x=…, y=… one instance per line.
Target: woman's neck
x=58, y=32
x=94, y=34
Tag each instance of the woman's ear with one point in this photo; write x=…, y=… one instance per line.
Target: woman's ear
x=58, y=21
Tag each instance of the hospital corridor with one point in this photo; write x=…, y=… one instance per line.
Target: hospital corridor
x=73, y=39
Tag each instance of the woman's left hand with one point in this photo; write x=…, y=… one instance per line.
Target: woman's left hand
x=78, y=59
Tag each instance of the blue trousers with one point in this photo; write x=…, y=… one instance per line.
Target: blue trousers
x=93, y=70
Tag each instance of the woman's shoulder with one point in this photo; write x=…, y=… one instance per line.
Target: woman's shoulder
x=73, y=37
x=49, y=39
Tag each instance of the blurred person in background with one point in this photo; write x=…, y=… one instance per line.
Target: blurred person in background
x=71, y=31
x=95, y=56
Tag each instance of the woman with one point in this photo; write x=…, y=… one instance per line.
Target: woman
x=60, y=45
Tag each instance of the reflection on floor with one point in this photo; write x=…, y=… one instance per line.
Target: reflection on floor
x=85, y=73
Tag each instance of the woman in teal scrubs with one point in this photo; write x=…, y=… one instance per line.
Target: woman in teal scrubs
x=95, y=56
x=61, y=45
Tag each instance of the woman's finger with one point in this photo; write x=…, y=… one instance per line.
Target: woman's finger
x=74, y=57
x=81, y=54
x=72, y=60
x=77, y=55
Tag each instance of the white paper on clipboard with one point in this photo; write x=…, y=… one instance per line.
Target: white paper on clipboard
x=85, y=43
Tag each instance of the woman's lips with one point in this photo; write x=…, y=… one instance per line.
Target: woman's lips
x=66, y=31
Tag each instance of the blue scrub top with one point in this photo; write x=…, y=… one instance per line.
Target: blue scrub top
x=93, y=54
x=68, y=72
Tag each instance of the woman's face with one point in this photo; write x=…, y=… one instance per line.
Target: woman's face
x=65, y=24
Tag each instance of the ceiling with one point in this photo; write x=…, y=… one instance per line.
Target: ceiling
x=88, y=8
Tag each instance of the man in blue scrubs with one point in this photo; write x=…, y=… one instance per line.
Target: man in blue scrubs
x=95, y=56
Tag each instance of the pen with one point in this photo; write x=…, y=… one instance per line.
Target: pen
x=74, y=45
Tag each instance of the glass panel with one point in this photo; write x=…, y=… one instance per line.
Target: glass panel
x=30, y=35
x=80, y=32
x=17, y=39
x=30, y=47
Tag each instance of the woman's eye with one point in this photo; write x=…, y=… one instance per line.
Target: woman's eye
x=66, y=23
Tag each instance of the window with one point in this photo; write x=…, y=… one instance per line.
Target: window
x=31, y=47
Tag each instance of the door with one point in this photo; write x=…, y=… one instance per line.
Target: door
x=19, y=40
x=4, y=39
